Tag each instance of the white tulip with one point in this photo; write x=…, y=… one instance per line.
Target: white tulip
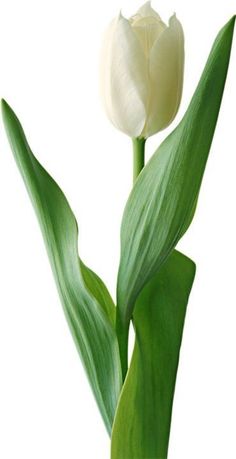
x=142, y=72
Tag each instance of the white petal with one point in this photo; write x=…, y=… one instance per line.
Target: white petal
x=124, y=78
x=166, y=75
x=147, y=10
x=105, y=64
x=148, y=31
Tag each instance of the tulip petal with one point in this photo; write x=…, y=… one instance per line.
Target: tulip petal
x=148, y=30
x=166, y=77
x=146, y=10
x=124, y=78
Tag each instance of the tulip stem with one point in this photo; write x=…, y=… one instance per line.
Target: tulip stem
x=122, y=332
x=138, y=156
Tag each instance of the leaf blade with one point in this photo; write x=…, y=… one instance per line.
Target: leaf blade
x=162, y=202
x=142, y=422
x=88, y=308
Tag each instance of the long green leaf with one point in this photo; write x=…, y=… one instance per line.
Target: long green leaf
x=162, y=202
x=142, y=422
x=87, y=303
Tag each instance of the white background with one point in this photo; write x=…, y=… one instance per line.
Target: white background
x=49, y=54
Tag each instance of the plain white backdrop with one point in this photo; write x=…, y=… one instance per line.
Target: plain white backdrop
x=49, y=52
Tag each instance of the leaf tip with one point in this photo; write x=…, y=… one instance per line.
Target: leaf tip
x=3, y=103
x=232, y=21
x=4, y=107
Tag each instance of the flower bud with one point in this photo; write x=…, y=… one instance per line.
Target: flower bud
x=142, y=72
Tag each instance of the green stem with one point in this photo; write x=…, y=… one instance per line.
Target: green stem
x=122, y=336
x=138, y=156
x=122, y=329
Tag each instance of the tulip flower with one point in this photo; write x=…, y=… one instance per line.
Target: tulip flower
x=142, y=72
x=142, y=79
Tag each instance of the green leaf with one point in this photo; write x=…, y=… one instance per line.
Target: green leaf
x=162, y=202
x=96, y=286
x=87, y=304
x=142, y=422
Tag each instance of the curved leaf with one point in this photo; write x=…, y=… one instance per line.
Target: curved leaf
x=100, y=292
x=142, y=422
x=87, y=304
x=162, y=202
